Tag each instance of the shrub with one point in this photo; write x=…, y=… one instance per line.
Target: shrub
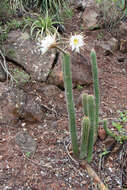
x=111, y=13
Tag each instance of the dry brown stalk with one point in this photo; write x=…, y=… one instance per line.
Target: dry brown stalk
x=93, y=175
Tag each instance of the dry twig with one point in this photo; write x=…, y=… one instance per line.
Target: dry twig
x=4, y=66
x=93, y=175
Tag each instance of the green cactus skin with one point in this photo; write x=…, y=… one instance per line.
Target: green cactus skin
x=84, y=137
x=96, y=84
x=70, y=103
x=91, y=115
x=85, y=103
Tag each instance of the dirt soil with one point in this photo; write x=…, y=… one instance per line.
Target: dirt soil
x=51, y=167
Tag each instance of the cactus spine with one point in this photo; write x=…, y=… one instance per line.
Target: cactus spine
x=70, y=103
x=84, y=137
x=96, y=84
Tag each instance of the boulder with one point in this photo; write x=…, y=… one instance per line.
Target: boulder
x=90, y=18
x=21, y=49
x=123, y=45
x=108, y=46
x=122, y=30
x=122, y=35
x=16, y=105
x=81, y=71
x=26, y=143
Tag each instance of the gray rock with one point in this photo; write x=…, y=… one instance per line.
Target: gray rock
x=21, y=49
x=90, y=18
x=16, y=105
x=123, y=45
x=114, y=44
x=27, y=144
x=122, y=35
x=122, y=30
x=11, y=103
x=109, y=46
x=51, y=90
x=81, y=71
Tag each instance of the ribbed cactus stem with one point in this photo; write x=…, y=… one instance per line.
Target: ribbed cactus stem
x=70, y=103
x=96, y=83
x=84, y=137
x=91, y=115
x=85, y=103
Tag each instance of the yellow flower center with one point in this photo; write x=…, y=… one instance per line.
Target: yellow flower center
x=76, y=41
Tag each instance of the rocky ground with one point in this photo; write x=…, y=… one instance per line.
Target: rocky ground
x=34, y=134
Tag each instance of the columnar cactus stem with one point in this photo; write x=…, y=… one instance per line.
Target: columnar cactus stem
x=70, y=103
x=96, y=84
x=84, y=137
x=85, y=103
x=91, y=115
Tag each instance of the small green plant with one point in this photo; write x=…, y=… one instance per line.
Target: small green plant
x=28, y=154
x=79, y=87
x=122, y=116
x=6, y=28
x=13, y=25
x=100, y=35
x=120, y=135
x=5, y=9
x=67, y=13
x=41, y=25
x=20, y=76
x=53, y=7
x=122, y=121
x=112, y=12
x=105, y=152
x=3, y=34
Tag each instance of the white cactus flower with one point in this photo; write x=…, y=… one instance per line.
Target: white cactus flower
x=47, y=43
x=76, y=42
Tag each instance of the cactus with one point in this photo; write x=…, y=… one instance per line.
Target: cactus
x=70, y=103
x=91, y=115
x=84, y=103
x=90, y=110
x=96, y=84
x=84, y=137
